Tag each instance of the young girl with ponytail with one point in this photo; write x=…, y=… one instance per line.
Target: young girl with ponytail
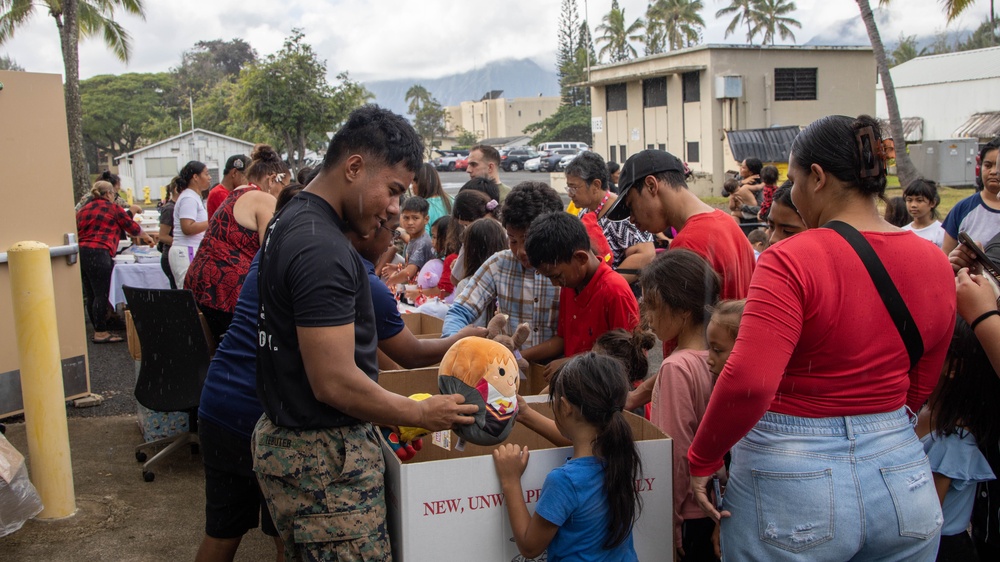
x=588, y=505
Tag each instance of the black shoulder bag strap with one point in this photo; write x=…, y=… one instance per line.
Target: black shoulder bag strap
x=886, y=289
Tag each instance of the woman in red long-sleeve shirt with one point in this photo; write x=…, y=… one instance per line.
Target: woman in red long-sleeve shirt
x=826, y=464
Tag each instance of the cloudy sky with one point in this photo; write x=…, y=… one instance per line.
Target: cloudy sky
x=382, y=39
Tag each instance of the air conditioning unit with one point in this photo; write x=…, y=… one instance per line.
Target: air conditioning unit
x=727, y=87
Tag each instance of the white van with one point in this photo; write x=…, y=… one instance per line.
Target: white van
x=550, y=146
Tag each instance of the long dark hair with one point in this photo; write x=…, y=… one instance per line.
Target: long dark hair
x=481, y=240
x=596, y=385
x=969, y=390
x=838, y=145
x=630, y=348
x=429, y=185
x=187, y=173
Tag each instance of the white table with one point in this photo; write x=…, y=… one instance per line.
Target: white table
x=144, y=275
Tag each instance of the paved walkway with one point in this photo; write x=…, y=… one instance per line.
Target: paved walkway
x=119, y=516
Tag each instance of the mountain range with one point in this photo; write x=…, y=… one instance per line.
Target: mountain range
x=516, y=78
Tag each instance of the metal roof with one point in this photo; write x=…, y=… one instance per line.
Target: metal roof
x=518, y=140
x=769, y=145
x=980, y=126
x=963, y=66
x=182, y=135
x=913, y=129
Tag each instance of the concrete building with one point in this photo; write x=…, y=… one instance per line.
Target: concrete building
x=947, y=96
x=686, y=101
x=155, y=165
x=497, y=117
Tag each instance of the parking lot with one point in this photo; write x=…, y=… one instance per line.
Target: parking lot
x=453, y=181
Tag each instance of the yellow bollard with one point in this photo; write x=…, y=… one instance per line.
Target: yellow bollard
x=34, y=308
x=163, y=193
x=145, y=196
x=129, y=197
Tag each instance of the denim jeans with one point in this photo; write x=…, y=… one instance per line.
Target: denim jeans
x=846, y=488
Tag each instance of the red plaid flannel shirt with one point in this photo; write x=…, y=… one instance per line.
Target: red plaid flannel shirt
x=99, y=225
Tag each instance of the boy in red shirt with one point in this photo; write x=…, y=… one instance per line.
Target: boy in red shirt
x=594, y=298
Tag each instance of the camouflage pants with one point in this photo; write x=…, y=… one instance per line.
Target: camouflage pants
x=325, y=490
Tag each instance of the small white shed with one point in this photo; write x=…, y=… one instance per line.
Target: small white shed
x=155, y=165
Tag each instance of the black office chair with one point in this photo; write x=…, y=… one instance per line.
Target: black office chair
x=175, y=359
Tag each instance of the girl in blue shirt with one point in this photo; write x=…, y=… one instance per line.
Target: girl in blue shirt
x=960, y=416
x=587, y=506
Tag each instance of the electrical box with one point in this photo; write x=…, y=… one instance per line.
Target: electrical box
x=728, y=87
x=949, y=162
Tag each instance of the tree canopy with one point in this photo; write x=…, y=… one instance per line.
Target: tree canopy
x=428, y=115
x=617, y=35
x=568, y=123
x=288, y=95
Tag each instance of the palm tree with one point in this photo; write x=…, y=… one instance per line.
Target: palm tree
x=904, y=167
x=617, y=37
x=772, y=19
x=681, y=21
x=952, y=8
x=76, y=20
x=744, y=12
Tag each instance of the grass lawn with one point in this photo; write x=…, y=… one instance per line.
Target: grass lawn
x=949, y=196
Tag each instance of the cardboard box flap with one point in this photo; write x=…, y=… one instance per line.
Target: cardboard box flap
x=422, y=324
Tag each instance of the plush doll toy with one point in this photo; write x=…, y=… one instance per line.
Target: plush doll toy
x=408, y=441
x=486, y=373
x=495, y=331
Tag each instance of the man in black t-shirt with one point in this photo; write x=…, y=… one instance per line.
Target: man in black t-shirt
x=316, y=453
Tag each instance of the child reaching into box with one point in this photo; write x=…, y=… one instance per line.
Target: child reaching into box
x=419, y=250
x=594, y=298
x=587, y=506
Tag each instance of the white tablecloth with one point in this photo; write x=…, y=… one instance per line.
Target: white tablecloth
x=144, y=275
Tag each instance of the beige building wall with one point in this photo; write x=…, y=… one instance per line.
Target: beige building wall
x=34, y=136
x=501, y=117
x=845, y=85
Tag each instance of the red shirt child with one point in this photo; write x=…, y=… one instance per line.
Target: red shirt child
x=606, y=303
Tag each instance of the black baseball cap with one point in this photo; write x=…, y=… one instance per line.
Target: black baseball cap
x=237, y=161
x=634, y=170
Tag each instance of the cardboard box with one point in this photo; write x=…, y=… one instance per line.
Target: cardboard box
x=132, y=337
x=421, y=324
x=446, y=504
x=535, y=382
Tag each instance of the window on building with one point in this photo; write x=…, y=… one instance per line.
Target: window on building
x=518, y=112
x=654, y=92
x=692, y=152
x=792, y=84
x=161, y=167
x=617, y=97
x=650, y=146
x=663, y=147
x=691, y=86
x=621, y=152
x=614, y=153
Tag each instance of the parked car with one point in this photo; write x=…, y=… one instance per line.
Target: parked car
x=462, y=163
x=448, y=161
x=514, y=159
x=561, y=167
x=550, y=162
x=532, y=165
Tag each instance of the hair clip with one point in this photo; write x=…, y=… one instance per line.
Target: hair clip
x=875, y=148
x=492, y=205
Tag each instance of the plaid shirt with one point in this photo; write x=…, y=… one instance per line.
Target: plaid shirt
x=525, y=296
x=99, y=224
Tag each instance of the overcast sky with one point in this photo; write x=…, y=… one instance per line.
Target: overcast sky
x=383, y=39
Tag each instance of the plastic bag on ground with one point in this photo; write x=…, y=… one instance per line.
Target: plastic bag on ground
x=19, y=501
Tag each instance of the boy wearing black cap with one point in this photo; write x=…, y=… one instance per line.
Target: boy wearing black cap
x=233, y=176
x=655, y=197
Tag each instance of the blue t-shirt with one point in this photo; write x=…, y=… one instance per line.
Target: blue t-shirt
x=229, y=397
x=573, y=498
x=973, y=217
x=388, y=322
x=958, y=457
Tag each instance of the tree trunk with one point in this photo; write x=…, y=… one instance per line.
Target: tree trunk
x=69, y=37
x=904, y=167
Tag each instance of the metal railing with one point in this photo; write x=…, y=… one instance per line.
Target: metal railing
x=69, y=251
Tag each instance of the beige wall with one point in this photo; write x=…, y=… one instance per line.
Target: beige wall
x=38, y=205
x=501, y=117
x=845, y=85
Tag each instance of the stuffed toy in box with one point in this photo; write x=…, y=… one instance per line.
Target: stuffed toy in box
x=486, y=373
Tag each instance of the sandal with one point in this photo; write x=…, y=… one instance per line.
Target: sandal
x=110, y=339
